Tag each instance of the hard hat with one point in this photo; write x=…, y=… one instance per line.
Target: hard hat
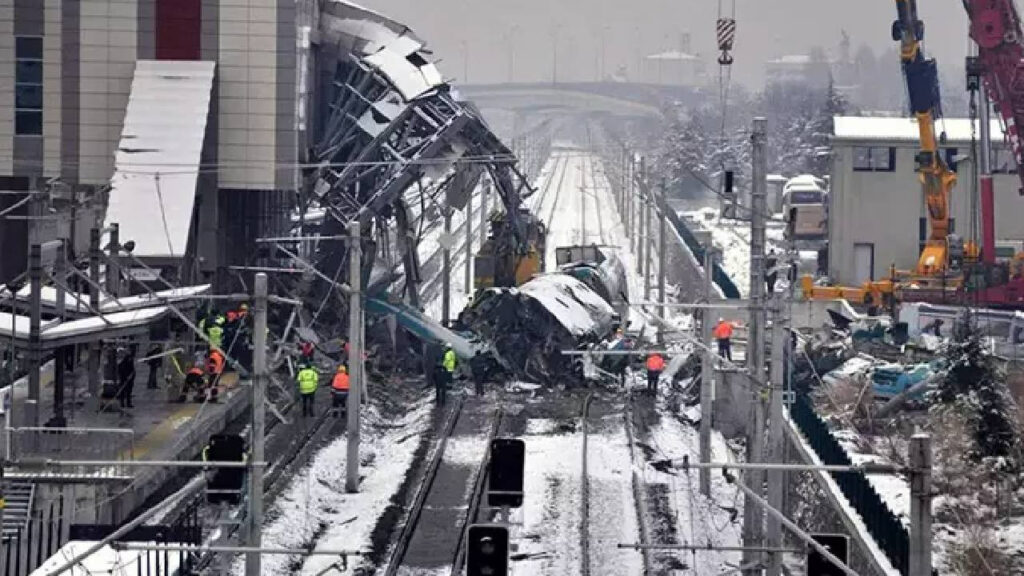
x=720, y=319
x=342, y=369
x=244, y=306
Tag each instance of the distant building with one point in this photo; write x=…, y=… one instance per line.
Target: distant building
x=877, y=212
x=674, y=67
x=797, y=68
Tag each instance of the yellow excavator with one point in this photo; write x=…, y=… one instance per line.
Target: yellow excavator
x=943, y=255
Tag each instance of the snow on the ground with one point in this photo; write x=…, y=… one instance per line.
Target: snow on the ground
x=701, y=521
x=547, y=527
x=732, y=237
x=315, y=506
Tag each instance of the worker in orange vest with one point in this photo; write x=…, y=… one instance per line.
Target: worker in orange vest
x=195, y=382
x=655, y=364
x=723, y=336
x=214, y=367
x=339, y=390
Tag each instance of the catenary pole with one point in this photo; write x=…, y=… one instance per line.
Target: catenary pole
x=468, y=225
x=776, y=432
x=446, y=268
x=355, y=356
x=753, y=516
x=259, y=387
x=920, y=458
x=707, y=372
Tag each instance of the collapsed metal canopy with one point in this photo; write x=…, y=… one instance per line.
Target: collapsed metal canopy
x=392, y=122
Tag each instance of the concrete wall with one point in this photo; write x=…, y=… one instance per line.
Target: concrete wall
x=884, y=208
x=90, y=49
x=108, y=37
x=247, y=92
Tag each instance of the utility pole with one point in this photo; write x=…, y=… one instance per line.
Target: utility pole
x=707, y=370
x=662, y=255
x=35, y=276
x=355, y=355
x=776, y=438
x=113, y=289
x=648, y=238
x=259, y=388
x=753, y=516
x=468, y=225
x=920, y=505
x=583, y=208
x=641, y=229
x=446, y=268
x=94, y=303
x=60, y=356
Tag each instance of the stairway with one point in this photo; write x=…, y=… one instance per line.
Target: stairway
x=19, y=497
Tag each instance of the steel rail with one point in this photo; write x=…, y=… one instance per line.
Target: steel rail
x=411, y=521
x=479, y=486
x=585, y=493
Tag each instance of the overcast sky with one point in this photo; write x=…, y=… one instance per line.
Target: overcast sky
x=492, y=29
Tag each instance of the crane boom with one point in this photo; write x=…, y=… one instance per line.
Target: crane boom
x=937, y=180
x=996, y=29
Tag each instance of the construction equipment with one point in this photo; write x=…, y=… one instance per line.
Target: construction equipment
x=504, y=260
x=872, y=294
x=996, y=29
x=942, y=256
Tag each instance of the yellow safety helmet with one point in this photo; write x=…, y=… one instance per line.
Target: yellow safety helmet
x=342, y=369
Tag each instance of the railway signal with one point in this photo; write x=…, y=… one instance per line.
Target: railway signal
x=838, y=545
x=505, y=477
x=487, y=553
x=226, y=483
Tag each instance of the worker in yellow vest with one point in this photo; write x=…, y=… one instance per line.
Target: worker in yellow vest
x=308, y=380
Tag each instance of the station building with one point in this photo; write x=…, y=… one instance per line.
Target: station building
x=877, y=214
x=186, y=117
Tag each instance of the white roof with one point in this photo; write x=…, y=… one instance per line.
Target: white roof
x=409, y=78
x=157, y=161
x=76, y=301
x=672, y=55
x=56, y=330
x=905, y=129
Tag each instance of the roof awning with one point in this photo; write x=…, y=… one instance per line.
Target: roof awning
x=54, y=334
x=76, y=303
x=156, y=166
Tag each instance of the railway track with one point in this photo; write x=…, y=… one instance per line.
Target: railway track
x=637, y=462
x=585, y=492
x=420, y=540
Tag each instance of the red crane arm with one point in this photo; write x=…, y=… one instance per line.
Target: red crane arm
x=996, y=28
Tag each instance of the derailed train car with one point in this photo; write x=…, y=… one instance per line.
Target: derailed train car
x=530, y=326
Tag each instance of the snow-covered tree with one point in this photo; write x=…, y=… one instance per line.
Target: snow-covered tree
x=974, y=387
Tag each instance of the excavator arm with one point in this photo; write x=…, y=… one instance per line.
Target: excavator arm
x=937, y=180
x=996, y=28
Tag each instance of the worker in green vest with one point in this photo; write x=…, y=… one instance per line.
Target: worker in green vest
x=215, y=332
x=445, y=374
x=308, y=380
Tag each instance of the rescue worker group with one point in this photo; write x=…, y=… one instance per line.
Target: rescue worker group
x=232, y=331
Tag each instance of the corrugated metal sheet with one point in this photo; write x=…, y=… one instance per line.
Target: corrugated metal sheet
x=156, y=165
x=861, y=128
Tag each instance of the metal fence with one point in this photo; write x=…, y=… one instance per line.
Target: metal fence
x=30, y=545
x=75, y=444
x=884, y=526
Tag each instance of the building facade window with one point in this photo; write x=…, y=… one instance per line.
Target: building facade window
x=874, y=159
x=1003, y=161
x=28, y=86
